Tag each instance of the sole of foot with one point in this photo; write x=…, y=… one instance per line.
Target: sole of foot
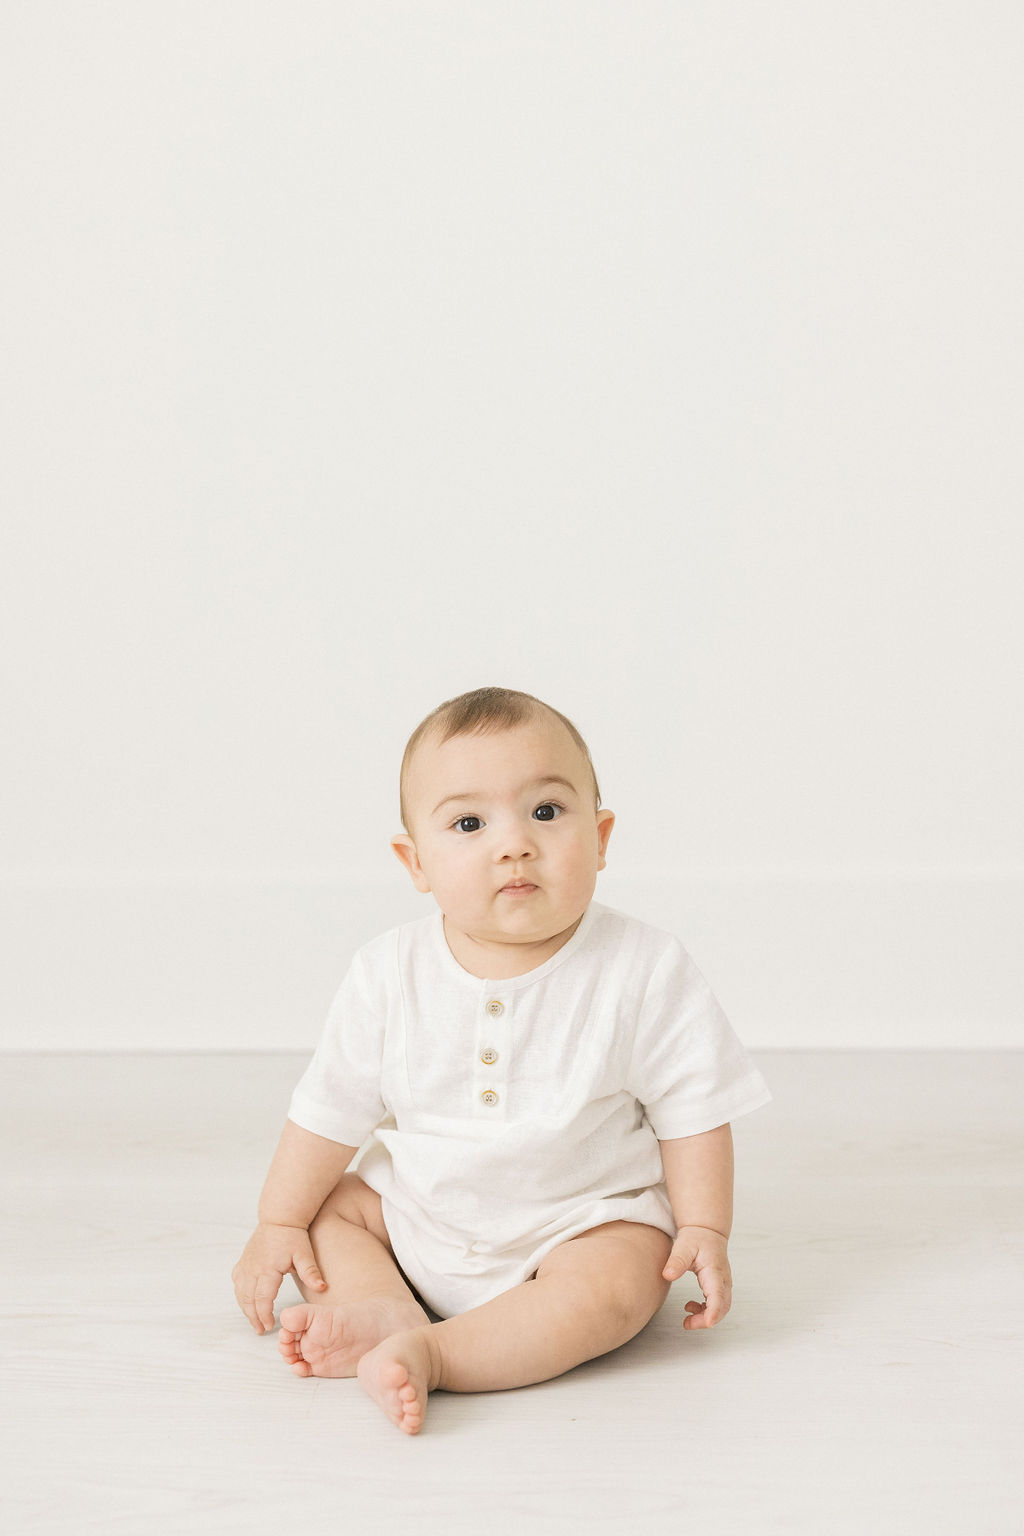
x=397, y=1376
x=330, y=1341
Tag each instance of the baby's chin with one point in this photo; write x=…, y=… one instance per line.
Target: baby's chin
x=530, y=923
x=516, y=920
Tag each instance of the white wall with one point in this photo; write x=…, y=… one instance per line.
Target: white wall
x=662, y=359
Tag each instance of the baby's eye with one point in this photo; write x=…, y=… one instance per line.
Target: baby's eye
x=548, y=811
x=460, y=825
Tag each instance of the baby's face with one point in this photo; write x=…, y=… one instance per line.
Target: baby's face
x=505, y=834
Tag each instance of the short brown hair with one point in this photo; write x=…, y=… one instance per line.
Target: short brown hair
x=484, y=709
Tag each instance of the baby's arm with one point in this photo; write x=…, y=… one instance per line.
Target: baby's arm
x=698, y=1176
x=304, y=1171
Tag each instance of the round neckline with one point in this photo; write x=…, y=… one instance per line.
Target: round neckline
x=513, y=983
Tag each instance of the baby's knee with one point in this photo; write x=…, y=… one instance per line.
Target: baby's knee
x=642, y=1289
x=615, y=1268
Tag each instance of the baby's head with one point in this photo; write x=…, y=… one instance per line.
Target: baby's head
x=501, y=808
x=481, y=711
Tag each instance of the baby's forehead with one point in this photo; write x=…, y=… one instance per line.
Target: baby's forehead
x=483, y=753
x=547, y=734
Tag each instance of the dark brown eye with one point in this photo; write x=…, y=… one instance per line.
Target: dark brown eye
x=547, y=811
x=461, y=826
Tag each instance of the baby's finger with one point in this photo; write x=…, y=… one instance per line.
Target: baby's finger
x=307, y=1271
x=717, y=1287
x=244, y=1297
x=719, y=1296
x=267, y=1287
x=246, y=1304
x=679, y=1261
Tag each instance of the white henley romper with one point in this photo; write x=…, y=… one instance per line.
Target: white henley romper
x=497, y=1119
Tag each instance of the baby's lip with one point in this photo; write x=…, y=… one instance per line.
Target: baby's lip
x=515, y=885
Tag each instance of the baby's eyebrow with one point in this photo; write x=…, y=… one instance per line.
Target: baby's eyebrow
x=477, y=794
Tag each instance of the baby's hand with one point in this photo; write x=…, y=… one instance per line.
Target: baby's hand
x=271, y=1253
x=702, y=1251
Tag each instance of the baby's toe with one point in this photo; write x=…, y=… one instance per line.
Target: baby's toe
x=410, y=1409
x=296, y=1320
x=290, y=1352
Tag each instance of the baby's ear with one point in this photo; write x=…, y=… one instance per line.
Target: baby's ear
x=405, y=852
x=605, y=822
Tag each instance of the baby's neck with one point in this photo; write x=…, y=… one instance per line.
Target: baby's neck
x=501, y=962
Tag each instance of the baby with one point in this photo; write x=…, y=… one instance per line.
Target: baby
x=539, y=1089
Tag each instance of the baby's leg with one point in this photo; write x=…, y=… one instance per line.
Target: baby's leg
x=366, y=1299
x=589, y=1295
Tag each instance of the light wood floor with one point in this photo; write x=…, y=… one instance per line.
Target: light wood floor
x=869, y=1378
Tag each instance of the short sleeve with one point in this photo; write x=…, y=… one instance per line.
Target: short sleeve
x=338, y=1095
x=689, y=1068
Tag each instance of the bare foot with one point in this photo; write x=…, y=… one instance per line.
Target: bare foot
x=397, y=1375
x=330, y=1341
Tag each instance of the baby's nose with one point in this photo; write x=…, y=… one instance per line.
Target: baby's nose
x=517, y=843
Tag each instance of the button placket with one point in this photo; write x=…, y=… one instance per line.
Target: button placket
x=492, y=1054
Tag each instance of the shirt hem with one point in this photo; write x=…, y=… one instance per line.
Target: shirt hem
x=710, y=1120
x=324, y=1123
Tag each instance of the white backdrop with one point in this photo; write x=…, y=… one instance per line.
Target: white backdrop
x=661, y=359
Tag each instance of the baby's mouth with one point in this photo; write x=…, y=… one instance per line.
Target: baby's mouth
x=518, y=888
